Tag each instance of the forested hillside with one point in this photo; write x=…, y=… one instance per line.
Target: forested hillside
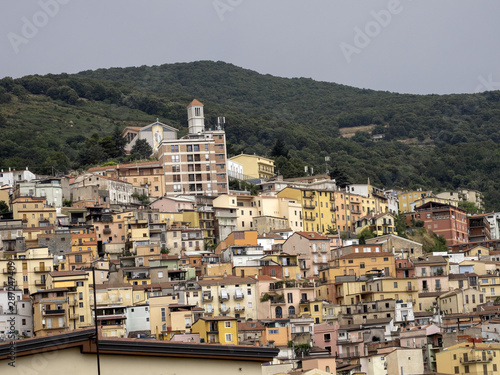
x=59, y=122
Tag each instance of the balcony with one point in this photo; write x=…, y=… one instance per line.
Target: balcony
x=411, y=288
x=238, y=297
x=239, y=309
x=74, y=316
x=8, y=271
x=40, y=282
x=73, y=302
x=54, y=312
x=309, y=206
x=225, y=311
x=106, y=231
x=42, y=269
x=224, y=297
x=309, y=218
x=207, y=298
x=474, y=359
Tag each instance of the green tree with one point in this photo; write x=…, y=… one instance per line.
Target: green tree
x=469, y=207
x=279, y=149
x=365, y=234
x=4, y=207
x=142, y=149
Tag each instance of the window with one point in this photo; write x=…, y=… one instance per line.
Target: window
x=229, y=337
x=160, y=274
x=316, y=307
x=80, y=305
x=227, y=324
x=82, y=319
x=273, y=331
x=80, y=296
x=163, y=315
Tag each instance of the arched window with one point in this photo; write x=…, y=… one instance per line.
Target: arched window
x=291, y=311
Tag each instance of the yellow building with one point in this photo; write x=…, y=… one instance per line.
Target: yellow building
x=406, y=198
x=349, y=290
x=255, y=166
x=469, y=358
x=360, y=264
x=34, y=212
x=391, y=288
x=168, y=318
x=37, y=216
x=31, y=268
x=489, y=284
x=318, y=208
x=217, y=330
x=77, y=283
x=51, y=312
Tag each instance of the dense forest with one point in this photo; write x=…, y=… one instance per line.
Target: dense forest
x=55, y=123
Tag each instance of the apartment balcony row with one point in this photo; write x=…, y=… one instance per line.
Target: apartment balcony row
x=474, y=359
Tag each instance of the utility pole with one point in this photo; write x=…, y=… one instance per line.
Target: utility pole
x=95, y=323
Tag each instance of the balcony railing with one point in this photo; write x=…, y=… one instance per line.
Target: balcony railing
x=39, y=282
x=224, y=297
x=74, y=316
x=225, y=311
x=238, y=297
x=54, y=312
x=43, y=269
x=411, y=288
x=8, y=271
x=475, y=359
x=239, y=309
x=207, y=298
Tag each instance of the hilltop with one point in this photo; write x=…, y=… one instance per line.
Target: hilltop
x=430, y=141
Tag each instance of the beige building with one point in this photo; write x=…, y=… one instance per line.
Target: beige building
x=460, y=301
x=195, y=164
x=232, y=296
x=148, y=174
x=117, y=356
x=32, y=268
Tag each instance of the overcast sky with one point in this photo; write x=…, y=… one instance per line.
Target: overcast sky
x=418, y=46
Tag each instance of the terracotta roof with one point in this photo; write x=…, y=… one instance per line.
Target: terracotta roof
x=194, y=102
x=312, y=235
x=246, y=326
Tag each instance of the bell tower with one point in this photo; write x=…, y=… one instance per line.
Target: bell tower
x=196, y=119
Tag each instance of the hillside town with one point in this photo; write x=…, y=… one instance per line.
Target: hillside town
x=304, y=276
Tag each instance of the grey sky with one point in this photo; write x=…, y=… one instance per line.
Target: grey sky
x=417, y=46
